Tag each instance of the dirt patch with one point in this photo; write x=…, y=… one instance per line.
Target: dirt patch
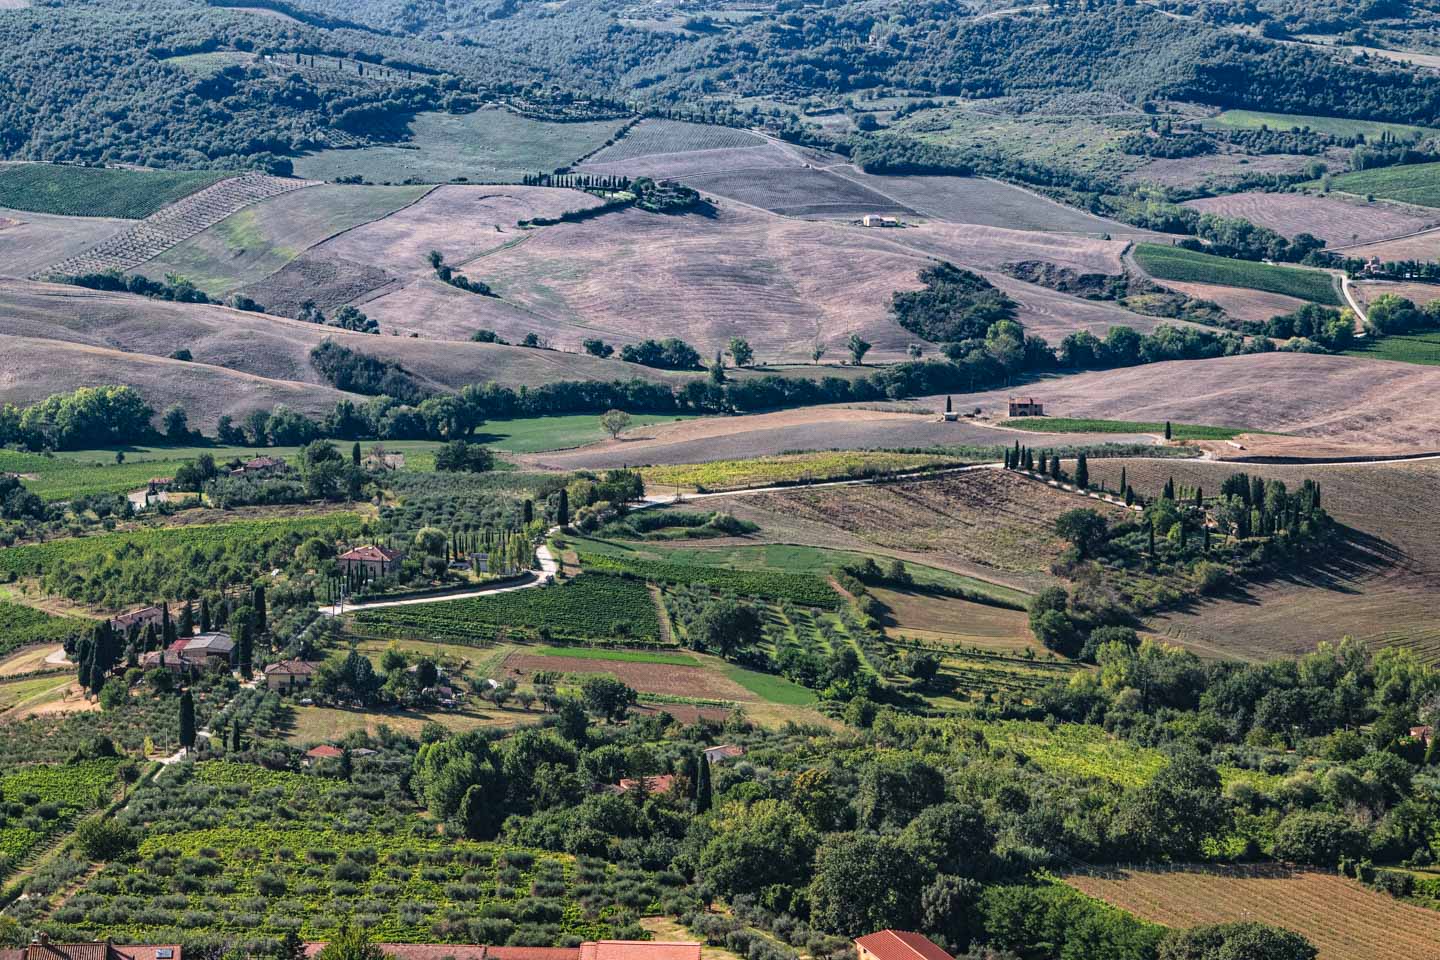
x=1335, y=220
x=326, y=281
x=1417, y=293
x=661, y=678
x=1421, y=246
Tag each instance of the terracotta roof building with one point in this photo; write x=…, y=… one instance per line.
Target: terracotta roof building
x=43, y=949
x=661, y=784
x=376, y=561
x=138, y=618
x=590, y=950
x=289, y=674
x=324, y=752
x=898, y=945
x=722, y=753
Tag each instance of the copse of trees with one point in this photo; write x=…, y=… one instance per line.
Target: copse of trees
x=953, y=305
x=671, y=353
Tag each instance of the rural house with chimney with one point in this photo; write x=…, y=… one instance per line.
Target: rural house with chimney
x=370, y=560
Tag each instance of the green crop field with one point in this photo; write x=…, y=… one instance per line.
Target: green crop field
x=797, y=587
x=769, y=687
x=487, y=146
x=1417, y=183
x=96, y=192
x=1179, y=431
x=1173, y=263
x=539, y=434
x=592, y=606
x=1334, y=126
x=1422, y=348
x=21, y=626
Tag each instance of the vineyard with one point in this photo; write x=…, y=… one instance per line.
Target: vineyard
x=95, y=191
x=173, y=224
x=39, y=801
x=1423, y=348
x=592, y=606
x=1178, y=431
x=1173, y=263
x=800, y=588
x=977, y=674
x=233, y=849
x=794, y=468
x=21, y=626
x=1339, y=916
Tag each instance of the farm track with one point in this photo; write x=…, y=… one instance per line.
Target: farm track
x=174, y=224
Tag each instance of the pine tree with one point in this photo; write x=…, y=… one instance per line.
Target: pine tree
x=1082, y=473
x=187, y=721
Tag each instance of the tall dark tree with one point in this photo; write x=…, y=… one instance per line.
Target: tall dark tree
x=562, y=510
x=187, y=620
x=1082, y=473
x=1168, y=431
x=204, y=615
x=355, y=454
x=187, y=721
x=258, y=602
x=703, y=798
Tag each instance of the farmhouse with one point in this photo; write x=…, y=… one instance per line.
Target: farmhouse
x=259, y=466
x=323, y=752
x=898, y=945
x=289, y=674
x=138, y=618
x=661, y=784
x=42, y=948
x=1026, y=407
x=722, y=753
x=371, y=560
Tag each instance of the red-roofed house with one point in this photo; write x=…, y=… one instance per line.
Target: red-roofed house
x=590, y=950
x=898, y=945
x=661, y=784
x=289, y=674
x=41, y=948
x=370, y=559
x=639, y=950
x=323, y=752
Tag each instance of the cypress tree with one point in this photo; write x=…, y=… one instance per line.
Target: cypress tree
x=1055, y=471
x=187, y=721
x=167, y=626
x=1169, y=492
x=529, y=511
x=1167, y=430
x=562, y=510
x=1082, y=473
x=235, y=735
x=204, y=614
x=246, y=649
x=258, y=602
x=1150, y=529
x=187, y=619
x=1124, y=482
x=702, y=786
x=1200, y=498
x=355, y=454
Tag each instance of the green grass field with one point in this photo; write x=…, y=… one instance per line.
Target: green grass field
x=1417, y=183
x=769, y=687
x=96, y=192
x=1422, y=348
x=209, y=64
x=538, y=434
x=486, y=146
x=1173, y=263
x=1178, y=431
x=1334, y=126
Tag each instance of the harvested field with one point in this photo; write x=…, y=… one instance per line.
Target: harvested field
x=1372, y=405
x=1342, y=918
x=253, y=243
x=1421, y=246
x=702, y=682
x=1238, y=302
x=798, y=192
x=490, y=144
x=809, y=428
x=173, y=224
x=1335, y=220
x=32, y=241
x=986, y=202
x=778, y=282
x=1418, y=293
x=261, y=345
x=651, y=137
x=327, y=282
x=990, y=520
x=1189, y=171
x=32, y=369
x=1379, y=585
x=933, y=617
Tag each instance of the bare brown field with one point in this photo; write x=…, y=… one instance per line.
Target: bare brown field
x=1371, y=404
x=260, y=345
x=662, y=678
x=1342, y=918
x=1418, y=293
x=32, y=660
x=808, y=428
x=32, y=241
x=1421, y=246
x=931, y=617
x=1188, y=171
x=1240, y=303
x=1378, y=585
x=327, y=282
x=1336, y=221
x=778, y=282
x=989, y=520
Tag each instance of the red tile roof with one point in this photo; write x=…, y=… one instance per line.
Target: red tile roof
x=371, y=553
x=325, y=752
x=901, y=945
x=93, y=951
x=294, y=668
x=660, y=784
x=639, y=950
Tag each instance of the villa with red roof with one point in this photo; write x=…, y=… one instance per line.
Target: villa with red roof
x=372, y=560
